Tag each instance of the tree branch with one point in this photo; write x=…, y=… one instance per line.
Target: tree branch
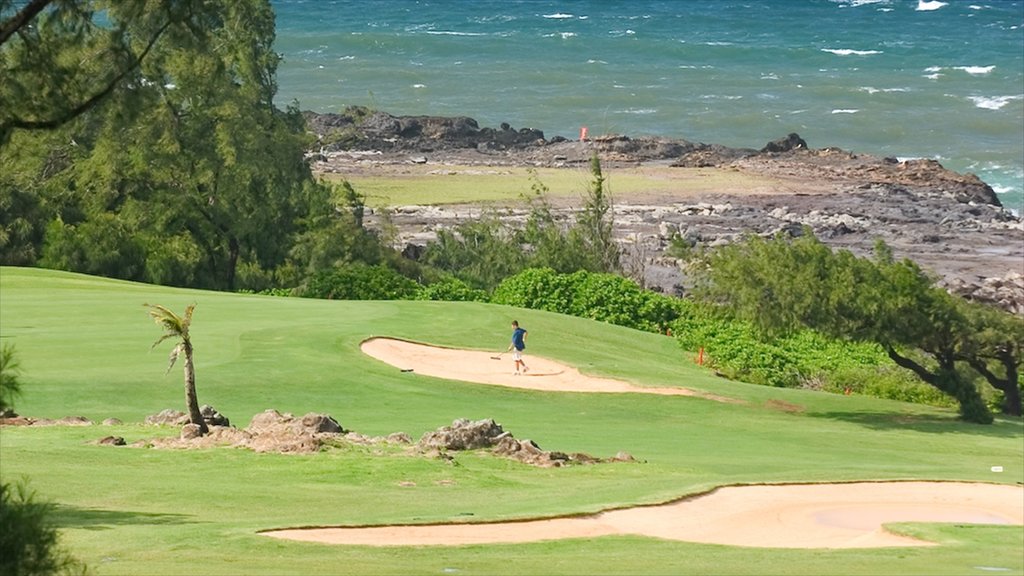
x=909, y=364
x=21, y=19
x=81, y=108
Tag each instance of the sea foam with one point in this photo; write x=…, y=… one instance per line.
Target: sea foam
x=923, y=6
x=975, y=70
x=993, y=102
x=850, y=52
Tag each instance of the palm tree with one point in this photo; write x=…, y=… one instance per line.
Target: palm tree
x=177, y=327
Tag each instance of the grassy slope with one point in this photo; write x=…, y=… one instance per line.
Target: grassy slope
x=84, y=346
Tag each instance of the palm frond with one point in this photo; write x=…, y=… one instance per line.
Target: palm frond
x=174, y=326
x=174, y=357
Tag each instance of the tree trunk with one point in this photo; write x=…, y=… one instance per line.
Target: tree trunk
x=195, y=416
x=232, y=262
x=1010, y=385
x=946, y=379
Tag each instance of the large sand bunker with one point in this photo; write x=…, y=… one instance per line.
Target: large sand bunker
x=784, y=516
x=481, y=368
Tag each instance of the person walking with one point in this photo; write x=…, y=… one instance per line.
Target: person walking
x=517, y=346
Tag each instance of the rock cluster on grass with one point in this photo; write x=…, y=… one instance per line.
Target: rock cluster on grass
x=272, y=431
x=465, y=434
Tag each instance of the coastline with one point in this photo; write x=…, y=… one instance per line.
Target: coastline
x=949, y=223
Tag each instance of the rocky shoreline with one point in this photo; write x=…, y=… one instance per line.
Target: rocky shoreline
x=949, y=223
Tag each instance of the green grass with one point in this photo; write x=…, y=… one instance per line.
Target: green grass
x=84, y=345
x=434, y=184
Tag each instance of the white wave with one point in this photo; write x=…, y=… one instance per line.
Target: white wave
x=453, y=33
x=419, y=85
x=850, y=52
x=933, y=69
x=593, y=61
x=557, y=16
x=845, y=111
x=1002, y=189
x=933, y=76
x=975, y=70
x=993, y=102
x=976, y=7
x=769, y=76
x=346, y=58
x=873, y=90
x=637, y=111
x=630, y=32
x=718, y=43
x=929, y=5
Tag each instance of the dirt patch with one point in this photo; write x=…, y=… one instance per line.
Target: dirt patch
x=483, y=368
x=791, y=516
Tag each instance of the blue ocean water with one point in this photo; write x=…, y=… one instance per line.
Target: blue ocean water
x=906, y=78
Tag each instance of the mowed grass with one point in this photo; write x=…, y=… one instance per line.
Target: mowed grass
x=84, y=345
x=433, y=184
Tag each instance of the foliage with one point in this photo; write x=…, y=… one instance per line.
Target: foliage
x=606, y=297
x=780, y=285
x=481, y=252
x=29, y=543
x=10, y=372
x=85, y=57
x=486, y=251
x=360, y=282
x=184, y=172
x=594, y=225
x=451, y=290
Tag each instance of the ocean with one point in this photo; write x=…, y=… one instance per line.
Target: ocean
x=905, y=78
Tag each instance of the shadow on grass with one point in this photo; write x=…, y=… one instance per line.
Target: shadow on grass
x=933, y=424
x=95, y=519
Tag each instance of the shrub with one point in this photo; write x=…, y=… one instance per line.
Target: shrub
x=451, y=290
x=606, y=297
x=10, y=371
x=360, y=282
x=28, y=540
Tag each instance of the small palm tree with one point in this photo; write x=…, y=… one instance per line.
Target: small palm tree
x=177, y=327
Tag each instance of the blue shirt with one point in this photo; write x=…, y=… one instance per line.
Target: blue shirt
x=518, y=339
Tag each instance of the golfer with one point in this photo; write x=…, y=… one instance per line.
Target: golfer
x=517, y=346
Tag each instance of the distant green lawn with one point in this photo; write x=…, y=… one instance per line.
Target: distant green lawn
x=84, y=344
x=443, y=184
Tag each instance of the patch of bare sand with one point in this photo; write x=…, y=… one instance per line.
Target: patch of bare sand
x=783, y=516
x=482, y=368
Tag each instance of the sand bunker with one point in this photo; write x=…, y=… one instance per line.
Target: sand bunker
x=790, y=516
x=481, y=368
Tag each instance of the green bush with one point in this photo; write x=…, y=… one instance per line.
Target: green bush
x=360, y=282
x=605, y=297
x=10, y=371
x=890, y=382
x=451, y=290
x=737, y=349
x=28, y=540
